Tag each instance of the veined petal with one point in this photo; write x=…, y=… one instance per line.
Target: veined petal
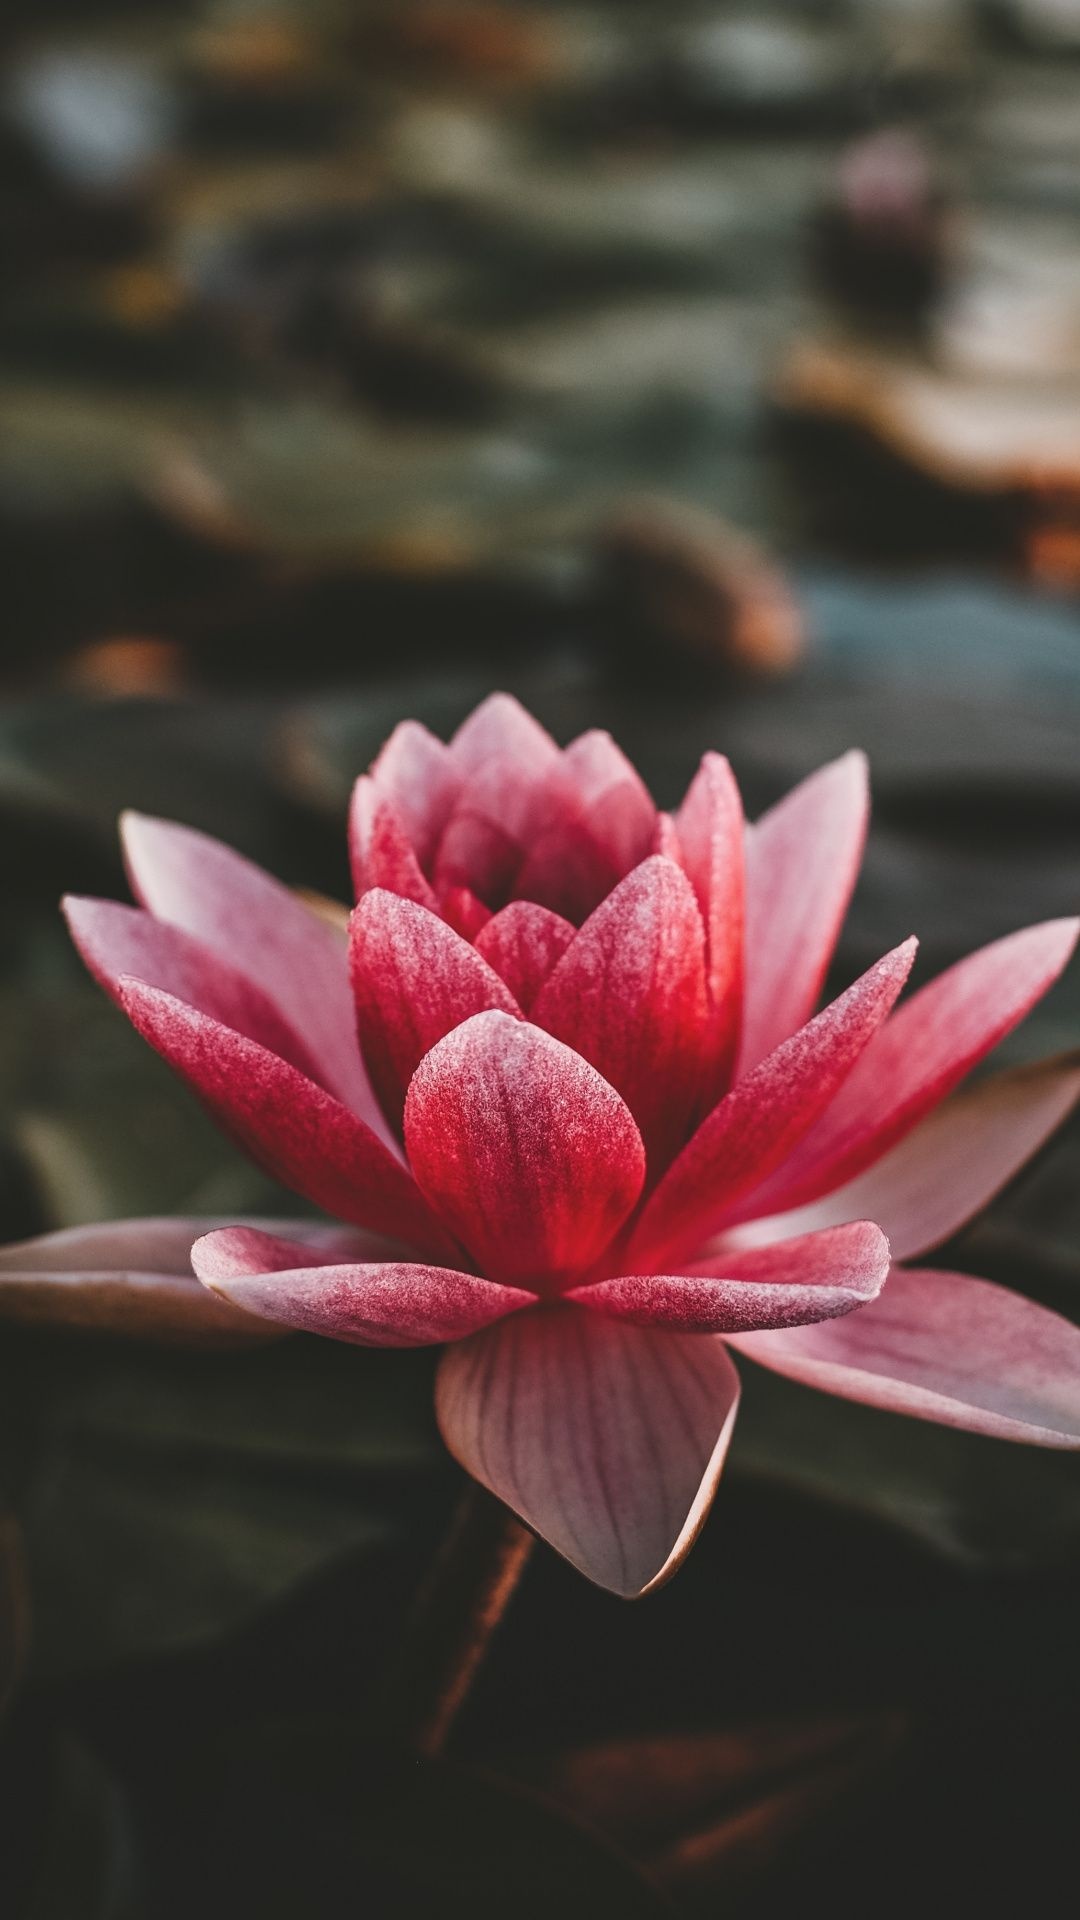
x=526, y=1152
x=381, y=1304
x=764, y=1116
x=815, y=1277
x=290, y=1126
x=930, y=1043
x=606, y=1439
x=380, y=851
x=262, y=930
x=629, y=995
x=130, y=1278
x=802, y=861
x=414, y=979
x=117, y=942
x=523, y=944
x=462, y=910
x=710, y=829
x=943, y=1347
x=949, y=1167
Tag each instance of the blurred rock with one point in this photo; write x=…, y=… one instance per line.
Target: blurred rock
x=687, y=589
x=885, y=241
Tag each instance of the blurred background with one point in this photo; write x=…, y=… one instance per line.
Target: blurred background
x=708, y=372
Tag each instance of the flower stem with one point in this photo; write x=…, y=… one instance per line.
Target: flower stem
x=458, y=1609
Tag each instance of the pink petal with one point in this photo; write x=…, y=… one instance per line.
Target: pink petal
x=618, y=807
x=710, y=830
x=629, y=994
x=933, y=1040
x=415, y=773
x=943, y=1347
x=414, y=979
x=130, y=1278
x=259, y=927
x=117, y=942
x=500, y=729
x=529, y=1156
x=813, y=1278
x=802, y=861
x=607, y=1440
x=523, y=943
x=290, y=1126
x=389, y=1304
x=762, y=1118
x=950, y=1166
x=380, y=851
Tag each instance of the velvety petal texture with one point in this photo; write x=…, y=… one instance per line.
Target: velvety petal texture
x=290, y=1126
x=799, y=1281
x=255, y=925
x=414, y=979
x=802, y=859
x=922, y=1053
x=764, y=1116
x=373, y=1304
x=944, y=1347
x=629, y=994
x=950, y=1166
x=524, y=943
x=710, y=831
x=605, y=1439
x=523, y=1149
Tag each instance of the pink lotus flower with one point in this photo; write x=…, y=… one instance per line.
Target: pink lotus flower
x=594, y=1135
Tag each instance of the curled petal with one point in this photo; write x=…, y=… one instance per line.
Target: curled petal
x=523, y=944
x=763, y=1116
x=375, y=1304
x=710, y=830
x=919, y=1056
x=950, y=1166
x=291, y=1127
x=629, y=994
x=947, y=1348
x=414, y=979
x=606, y=1439
x=816, y=1277
x=802, y=861
x=262, y=930
x=526, y=1152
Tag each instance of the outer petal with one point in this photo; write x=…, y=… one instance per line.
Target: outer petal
x=950, y=1166
x=380, y=851
x=414, y=979
x=606, y=1439
x=290, y=1126
x=259, y=927
x=948, y=1348
x=763, y=1117
x=799, y=1281
x=802, y=861
x=619, y=809
x=629, y=994
x=934, y=1039
x=117, y=941
x=386, y=1304
x=529, y=1155
x=414, y=772
x=710, y=829
x=523, y=944
x=126, y=1277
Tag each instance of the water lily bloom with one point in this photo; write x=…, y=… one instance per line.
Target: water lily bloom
x=565, y=1091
